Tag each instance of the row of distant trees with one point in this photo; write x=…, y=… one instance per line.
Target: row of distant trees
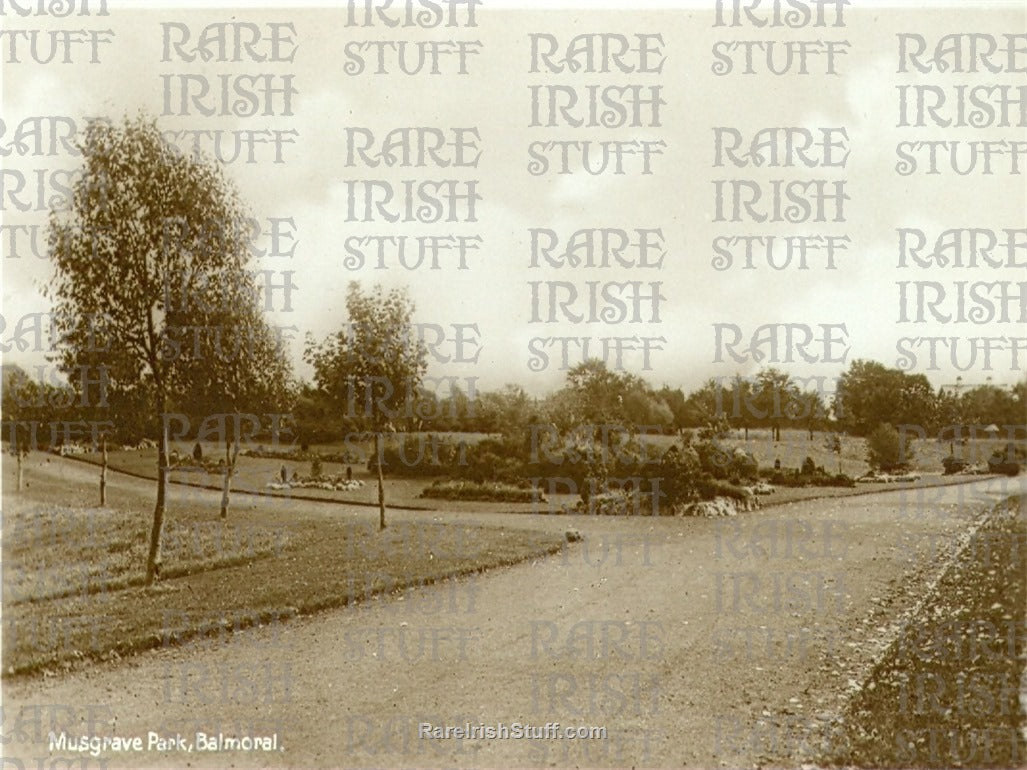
x=866, y=395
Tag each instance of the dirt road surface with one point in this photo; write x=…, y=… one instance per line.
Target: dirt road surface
x=694, y=642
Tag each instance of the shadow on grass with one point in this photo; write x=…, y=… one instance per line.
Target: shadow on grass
x=325, y=564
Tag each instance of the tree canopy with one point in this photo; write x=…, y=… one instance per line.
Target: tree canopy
x=869, y=394
x=373, y=366
x=152, y=256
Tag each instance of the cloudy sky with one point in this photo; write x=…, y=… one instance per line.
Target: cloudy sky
x=495, y=98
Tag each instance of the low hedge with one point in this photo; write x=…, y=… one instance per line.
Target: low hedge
x=1008, y=460
x=793, y=478
x=489, y=491
x=342, y=458
x=710, y=488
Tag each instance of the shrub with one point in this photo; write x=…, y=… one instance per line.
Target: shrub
x=710, y=488
x=679, y=471
x=723, y=463
x=953, y=465
x=835, y=480
x=886, y=450
x=585, y=463
x=420, y=455
x=743, y=466
x=591, y=474
x=713, y=459
x=618, y=502
x=717, y=428
x=1008, y=460
x=489, y=460
x=629, y=500
x=315, y=467
x=206, y=465
x=593, y=466
x=348, y=457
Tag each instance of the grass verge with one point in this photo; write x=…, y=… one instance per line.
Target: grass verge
x=947, y=693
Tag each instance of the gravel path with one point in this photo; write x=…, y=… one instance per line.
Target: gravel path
x=728, y=642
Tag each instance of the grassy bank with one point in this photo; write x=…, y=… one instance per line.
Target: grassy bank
x=73, y=574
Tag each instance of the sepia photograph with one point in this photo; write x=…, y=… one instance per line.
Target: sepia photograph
x=512, y=384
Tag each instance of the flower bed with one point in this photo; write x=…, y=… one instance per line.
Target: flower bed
x=328, y=483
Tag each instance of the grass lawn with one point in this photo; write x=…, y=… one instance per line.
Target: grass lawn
x=796, y=445
x=254, y=473
x=72, y=574
x=795, y=494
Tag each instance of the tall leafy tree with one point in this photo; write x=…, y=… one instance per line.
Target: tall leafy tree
x=154, y=240
x=743, y=406
x=23, y=399
x=776, y=398
x=597, y=394
x=316, y=419
x=674, y=398
x=505, y=411
x=643, y=407
x=869, y=393
x=989, y=404
x=809, y=409
x=713, y=400
x=373, y=366
x=599, y=413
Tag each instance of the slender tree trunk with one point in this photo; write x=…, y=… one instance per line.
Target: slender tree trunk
x=153, y=559
x=380, y=449
x=229, y=471
x=227, y=480
x=20, y=467
x=103, y=476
